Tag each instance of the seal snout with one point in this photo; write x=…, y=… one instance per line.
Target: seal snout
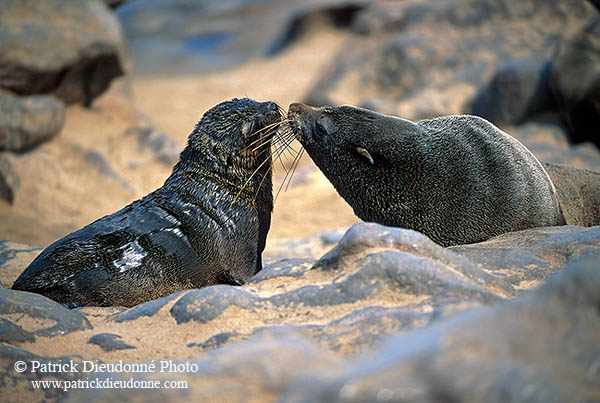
x=298, y=107
x=301, y=116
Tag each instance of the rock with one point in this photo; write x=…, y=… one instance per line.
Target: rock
x=17, y=386
x=96, y=160
x=181, y=36
x=39, y=315
x=431, y=58
x=11, y=333
x=364, y=241
x=549, y=142
x=71, y=48
x=161, y=145
x=518, y=90
x=149, y=308
x=578, y=193
x=9, y=180
x=109, y=342
x=548, y=354
x=386, y=312
x=28, y=120
x=526, y=258
x=575, y=79
x=542, y=347
x=14, y=258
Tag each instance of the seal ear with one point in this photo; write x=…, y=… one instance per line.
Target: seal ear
x=364, y=153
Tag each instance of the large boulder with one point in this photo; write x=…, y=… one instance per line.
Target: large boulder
x=27, y=121
x=71, y=48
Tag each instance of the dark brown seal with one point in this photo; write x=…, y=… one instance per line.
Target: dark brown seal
x=457, y=179
x=578, y=193
x=206, y=225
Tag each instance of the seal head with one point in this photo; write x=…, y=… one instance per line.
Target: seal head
x=206, y=225
x=457, y=179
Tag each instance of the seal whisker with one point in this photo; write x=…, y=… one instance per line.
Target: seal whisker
x=268, y=131
x=290, y=173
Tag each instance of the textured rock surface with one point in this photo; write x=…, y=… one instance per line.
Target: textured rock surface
x=71, y=48
x=27, y=121
x=383, y=304
x=541, y=348
x=43, y=317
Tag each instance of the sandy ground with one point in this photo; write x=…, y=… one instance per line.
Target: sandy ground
x=59, y=192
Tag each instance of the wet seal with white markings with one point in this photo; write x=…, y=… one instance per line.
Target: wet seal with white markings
x=206, y=225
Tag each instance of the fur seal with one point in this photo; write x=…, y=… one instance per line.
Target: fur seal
x=457, y=179
x=578, y=191
x=206, y=225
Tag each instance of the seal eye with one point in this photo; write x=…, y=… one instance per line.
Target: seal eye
x=320, y=130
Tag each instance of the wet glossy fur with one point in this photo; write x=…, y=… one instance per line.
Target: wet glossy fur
x=198, y=229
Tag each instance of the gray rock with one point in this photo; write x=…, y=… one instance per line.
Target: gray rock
x=9, y=180
x=519, y=90
x=11, y=333
x=575, y=79
x=216, y=341
x=542, y=347
x=148, y=309
x=161, y=145
x=48, y=317
x=364, y=241
x=109, y=342
x=29, y=120
x=17, y=387
x=549, y=141
x=97, y=161
x=71, y=48
x=278, y=269
x=532, y=255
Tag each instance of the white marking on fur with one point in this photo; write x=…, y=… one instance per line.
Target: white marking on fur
x=133, y=254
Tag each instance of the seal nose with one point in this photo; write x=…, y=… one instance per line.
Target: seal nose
x=298, y=107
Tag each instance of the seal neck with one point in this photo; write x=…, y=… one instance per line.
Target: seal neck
x=206, y=173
